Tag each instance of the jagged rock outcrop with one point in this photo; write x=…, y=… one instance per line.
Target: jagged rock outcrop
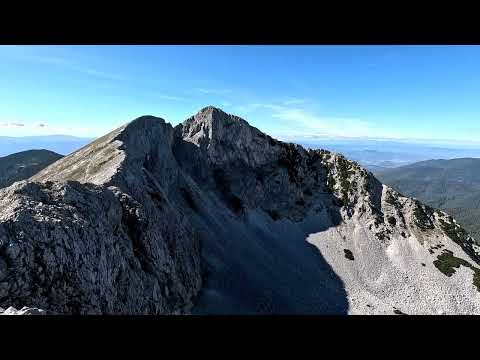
x=213, y=216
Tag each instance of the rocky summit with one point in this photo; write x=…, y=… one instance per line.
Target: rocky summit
x=215, y=217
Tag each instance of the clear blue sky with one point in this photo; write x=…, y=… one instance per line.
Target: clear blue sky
x=430, y=92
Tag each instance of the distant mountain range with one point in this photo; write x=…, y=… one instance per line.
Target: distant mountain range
x=61, y=144
x=377, y=155
x=22, y=165
x=452, y=185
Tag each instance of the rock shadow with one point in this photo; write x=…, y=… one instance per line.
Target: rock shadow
x=256, y=263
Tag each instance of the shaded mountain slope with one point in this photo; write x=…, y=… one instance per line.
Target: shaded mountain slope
x=22, y=165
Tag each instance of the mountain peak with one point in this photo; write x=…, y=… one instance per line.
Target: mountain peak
x=105, y=157
x=209, y=109
x=226, y=137
x=141, y=123
x=214, y=116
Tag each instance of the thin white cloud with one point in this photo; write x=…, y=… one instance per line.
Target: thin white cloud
x=312, y=124
x=12, y=124
x=249, y=108
x=97, y=73
x=66, y=63
x=170, y=97
x=295, y=121
x=295, y=101
x=219, y=92
x=28, y=128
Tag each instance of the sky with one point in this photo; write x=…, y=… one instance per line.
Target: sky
x=430, y=93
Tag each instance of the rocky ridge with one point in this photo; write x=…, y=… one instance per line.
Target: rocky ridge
x=214, y=216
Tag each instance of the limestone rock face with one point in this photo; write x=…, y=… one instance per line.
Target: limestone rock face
x=213, y=216
x=96, y=232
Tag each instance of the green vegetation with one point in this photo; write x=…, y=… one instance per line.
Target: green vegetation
x=393, y=201
x=331, y=183
x=422, y=216
x=459, y=236
x=290, y=160
x=467, y=217
x=451, y=185
x=344, y=172
x=447, y=263
x=453, y=231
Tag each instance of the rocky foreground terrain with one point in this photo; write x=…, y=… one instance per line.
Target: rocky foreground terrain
x=215, y=217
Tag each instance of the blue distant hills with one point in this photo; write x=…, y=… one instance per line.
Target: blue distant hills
x=377, y=155
x=60, y=144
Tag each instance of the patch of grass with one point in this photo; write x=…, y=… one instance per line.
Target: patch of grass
x=290, y=160
x=344, y=172
x=393, y=201
x=457, y=234
x=476, y=279
x=447, y=263
x=331, y=183
x=454, y=232
x=422, y=217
